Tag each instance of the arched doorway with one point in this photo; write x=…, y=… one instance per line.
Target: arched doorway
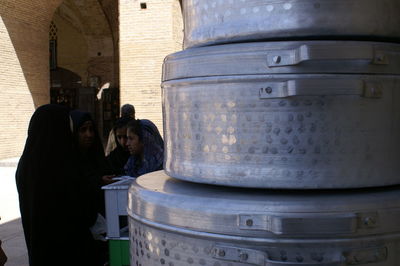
x=64, y=87
x=81, y=42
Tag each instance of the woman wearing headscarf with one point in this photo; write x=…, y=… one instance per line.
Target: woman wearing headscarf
x=147, y=154
x=120, y=155
x=92, y=167
x=91, y=158
x=52, y=193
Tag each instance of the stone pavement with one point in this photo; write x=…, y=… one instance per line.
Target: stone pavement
x=10, y=224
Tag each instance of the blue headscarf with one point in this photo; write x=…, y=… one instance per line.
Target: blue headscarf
x=153, y=155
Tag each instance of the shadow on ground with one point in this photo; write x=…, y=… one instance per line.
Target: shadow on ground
x=12, y=236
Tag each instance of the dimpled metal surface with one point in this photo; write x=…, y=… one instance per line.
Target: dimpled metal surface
x=151, y=246
x=181, y=223
x=222, y=21
x=221, y=130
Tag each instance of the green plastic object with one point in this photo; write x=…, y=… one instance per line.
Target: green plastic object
x=119, y=252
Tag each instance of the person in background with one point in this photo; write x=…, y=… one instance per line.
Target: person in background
x=147, y=154
x=92, y=166
x=120, y=155
x=52, y=193
x=127, y=111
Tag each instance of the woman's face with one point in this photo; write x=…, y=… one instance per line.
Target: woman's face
x=122, y=138
x=135, y=147
x=86, y=135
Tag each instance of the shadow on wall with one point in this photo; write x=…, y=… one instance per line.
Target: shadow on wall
x=24, y=68
x=25, y=48
x=11, y=68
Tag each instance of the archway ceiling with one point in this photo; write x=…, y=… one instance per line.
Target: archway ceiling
x=86, y=16
x=110, y=8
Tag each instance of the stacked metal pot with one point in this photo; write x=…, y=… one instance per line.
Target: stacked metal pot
x=288, y=112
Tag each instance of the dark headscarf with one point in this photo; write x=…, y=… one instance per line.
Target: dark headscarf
x=79, y=118
x=53, y=210
x=92, y=163
x=119, y=156
x=150, y=127
x=152, y=155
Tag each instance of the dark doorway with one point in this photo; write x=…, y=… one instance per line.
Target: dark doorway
x=64, y=87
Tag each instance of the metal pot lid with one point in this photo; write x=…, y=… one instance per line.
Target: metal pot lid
x=284, y=57
x=264, y=213
x=209, y=22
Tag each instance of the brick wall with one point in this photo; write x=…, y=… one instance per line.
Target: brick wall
x=24, y=68
x=146, y=37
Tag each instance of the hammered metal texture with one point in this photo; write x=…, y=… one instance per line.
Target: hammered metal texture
x=219, y=130
x=264, y=213
x=163, y=233
x=151, y=246
x=223, y=21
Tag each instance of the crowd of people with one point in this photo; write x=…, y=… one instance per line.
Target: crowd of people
x=60, y=175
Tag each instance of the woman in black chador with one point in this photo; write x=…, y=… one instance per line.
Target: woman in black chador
x=53, y=205
x=91, y=159
x=93, y=168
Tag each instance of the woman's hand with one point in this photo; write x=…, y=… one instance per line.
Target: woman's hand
x=108, y=179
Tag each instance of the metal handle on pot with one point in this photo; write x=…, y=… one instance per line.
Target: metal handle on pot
x=260, y=258
x=307, y=52
x=283, y=263
x=338, y=258
x=321, y=87
x=304, y=225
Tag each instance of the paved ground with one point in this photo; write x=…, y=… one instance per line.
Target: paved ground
x=10, y=224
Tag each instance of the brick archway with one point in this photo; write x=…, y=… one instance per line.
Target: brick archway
x=24, y=55
x=141, y=38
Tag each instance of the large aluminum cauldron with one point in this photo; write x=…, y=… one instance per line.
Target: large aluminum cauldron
x=224, y=21
x=181, y=223
x=308, y=131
